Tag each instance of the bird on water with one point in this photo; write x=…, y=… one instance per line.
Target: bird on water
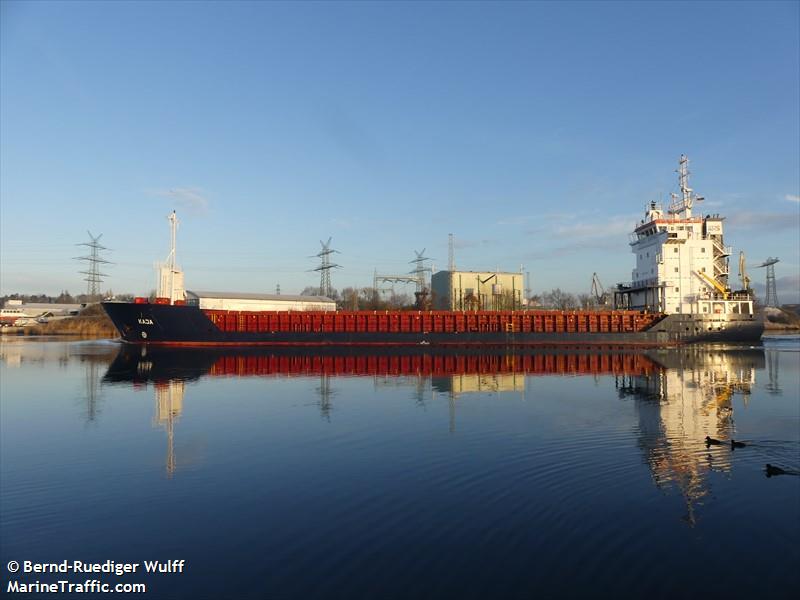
x=772, y=471
x=712, y=442
x=735, y=444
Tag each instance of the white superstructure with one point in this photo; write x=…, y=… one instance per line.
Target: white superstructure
x=681, y=261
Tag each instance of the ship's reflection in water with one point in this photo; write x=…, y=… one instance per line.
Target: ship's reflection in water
x=169, y=405
x=452, y=373
x=685, y=401
x=681, y=395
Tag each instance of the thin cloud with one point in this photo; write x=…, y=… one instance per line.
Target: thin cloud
x=349, y=134
x=611, y=227
x=787, y=287
x=764, y=221
x=546, y=217
x=191, y=199
x=515, y=220
x=792, y=197
x=341, y=223
x=579, y=247
x=460, y=243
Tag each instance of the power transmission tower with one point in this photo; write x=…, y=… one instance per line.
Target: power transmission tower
x=772, y=290
x=451, y=253
x=420, y=270
x=325, y=268
x=93, y=274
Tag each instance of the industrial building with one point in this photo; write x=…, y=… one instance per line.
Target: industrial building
x=474, y=290
x=25, y=313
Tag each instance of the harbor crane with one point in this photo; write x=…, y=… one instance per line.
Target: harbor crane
x=772, y=291
x=598, y=291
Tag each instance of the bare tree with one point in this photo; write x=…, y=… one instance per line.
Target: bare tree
x=559, y=300
x=587, y=301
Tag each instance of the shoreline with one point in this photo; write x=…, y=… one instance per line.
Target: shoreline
x=96, y=326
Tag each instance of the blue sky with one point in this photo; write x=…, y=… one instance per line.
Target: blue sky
x=534, y=132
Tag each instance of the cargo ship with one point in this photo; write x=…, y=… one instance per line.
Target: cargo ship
x=679, y=293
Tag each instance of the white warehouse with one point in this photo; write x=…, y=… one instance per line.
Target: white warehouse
x=257, y=302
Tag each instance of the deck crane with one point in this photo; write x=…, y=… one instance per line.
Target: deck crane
x=743, y=276
x=723, y=291
x=598, y=291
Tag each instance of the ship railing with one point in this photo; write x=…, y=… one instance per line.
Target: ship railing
x=717, y=297
x=642, y=283
x=667, y=219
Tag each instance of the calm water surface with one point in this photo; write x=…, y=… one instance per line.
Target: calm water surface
x=320, y=475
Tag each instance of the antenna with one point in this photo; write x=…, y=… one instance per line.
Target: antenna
x=683, y=176
x=171, y=259
x=451, y=253
x=93, y=274
x=527, y=288
x=173, y=229
x=325, y=268
x=687, y=197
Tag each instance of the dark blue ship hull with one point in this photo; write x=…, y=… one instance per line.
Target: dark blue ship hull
x=189, y=325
